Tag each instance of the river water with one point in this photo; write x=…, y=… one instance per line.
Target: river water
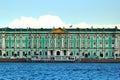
x=59, y=71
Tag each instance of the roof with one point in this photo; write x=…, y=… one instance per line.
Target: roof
x=61, y=30
x=58, y=31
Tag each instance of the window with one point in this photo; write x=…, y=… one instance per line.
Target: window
x=77, y=44
x=28, y=44
x=51, y=52
x=29, y=53
x=64, y=52
x=18, y=53
x=58, y=52
x=7, y=53
x=0, y=52
x=46, y=53
x=106, y=53
x=101, y=54
x=40, y=53
x=78, y=36
x=88, y=36
x=83, y=54
x=94, y=53
x=94, y=43
x=113, y=54
x=77, y=54
x=12, y=53
x=71, y=54
x=40, y=44
x=24, y=54
x=4, y=55
x=35, y=53
x=113, y=35
x=116, y=55
x=88, y=53
x=106, y=42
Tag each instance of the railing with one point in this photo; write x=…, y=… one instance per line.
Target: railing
x=53, y=58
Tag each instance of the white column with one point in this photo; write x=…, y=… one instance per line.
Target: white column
x=15, y=43
x=68, y=53
x=3, y=43
x=21, y=54
x=54, y=53
x=55, y=42
x=116, y=46
x=48, y=53
x=32, y=43
x=61, y=53
x=21, y=42
x=49, y=42
x=62, y=43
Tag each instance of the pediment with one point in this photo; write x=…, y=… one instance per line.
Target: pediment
x=58, y=31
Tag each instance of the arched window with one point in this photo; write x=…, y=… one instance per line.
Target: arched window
x=58, y=52
x=65, y=52
x=88, y=53
x=77, y=54
x=116, y=55
x=35, y=53
x=15, y=55
x=106, y=53
x=94, y=53
x=46, y=53
x=40, y=53
x=24, y=54
x=112, y=54
x=18, y=53
x=71, y=53
x=4, y=55
x=51, y=52
x=12, y=53
x=0, y=53
x=83, y=54
x=101, y=54
x=7, y=53
x=29, y=53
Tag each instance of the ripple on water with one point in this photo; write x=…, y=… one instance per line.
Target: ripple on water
x=59, y=71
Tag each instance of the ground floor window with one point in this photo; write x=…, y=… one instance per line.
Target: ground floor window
x=46, y=53
x=40, y=53
x=58, y=53
x=71, y=53
x=116, y=55
x=0, y=53
x=77, y=54
x=101, y=54
x=86, y=55
x=65, y=52
x=51, y=52
x=18, y=53
x=29, y=53
x=83, y=54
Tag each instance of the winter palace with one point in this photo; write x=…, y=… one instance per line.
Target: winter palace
x=60, y=43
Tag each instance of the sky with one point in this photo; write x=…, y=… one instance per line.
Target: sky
x=59, y=13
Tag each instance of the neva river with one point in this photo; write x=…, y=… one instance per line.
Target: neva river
x=59, y=71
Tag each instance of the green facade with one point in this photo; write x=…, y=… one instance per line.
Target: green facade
x=60, y=43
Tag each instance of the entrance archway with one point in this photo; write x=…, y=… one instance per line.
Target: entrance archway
x=58, y=53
